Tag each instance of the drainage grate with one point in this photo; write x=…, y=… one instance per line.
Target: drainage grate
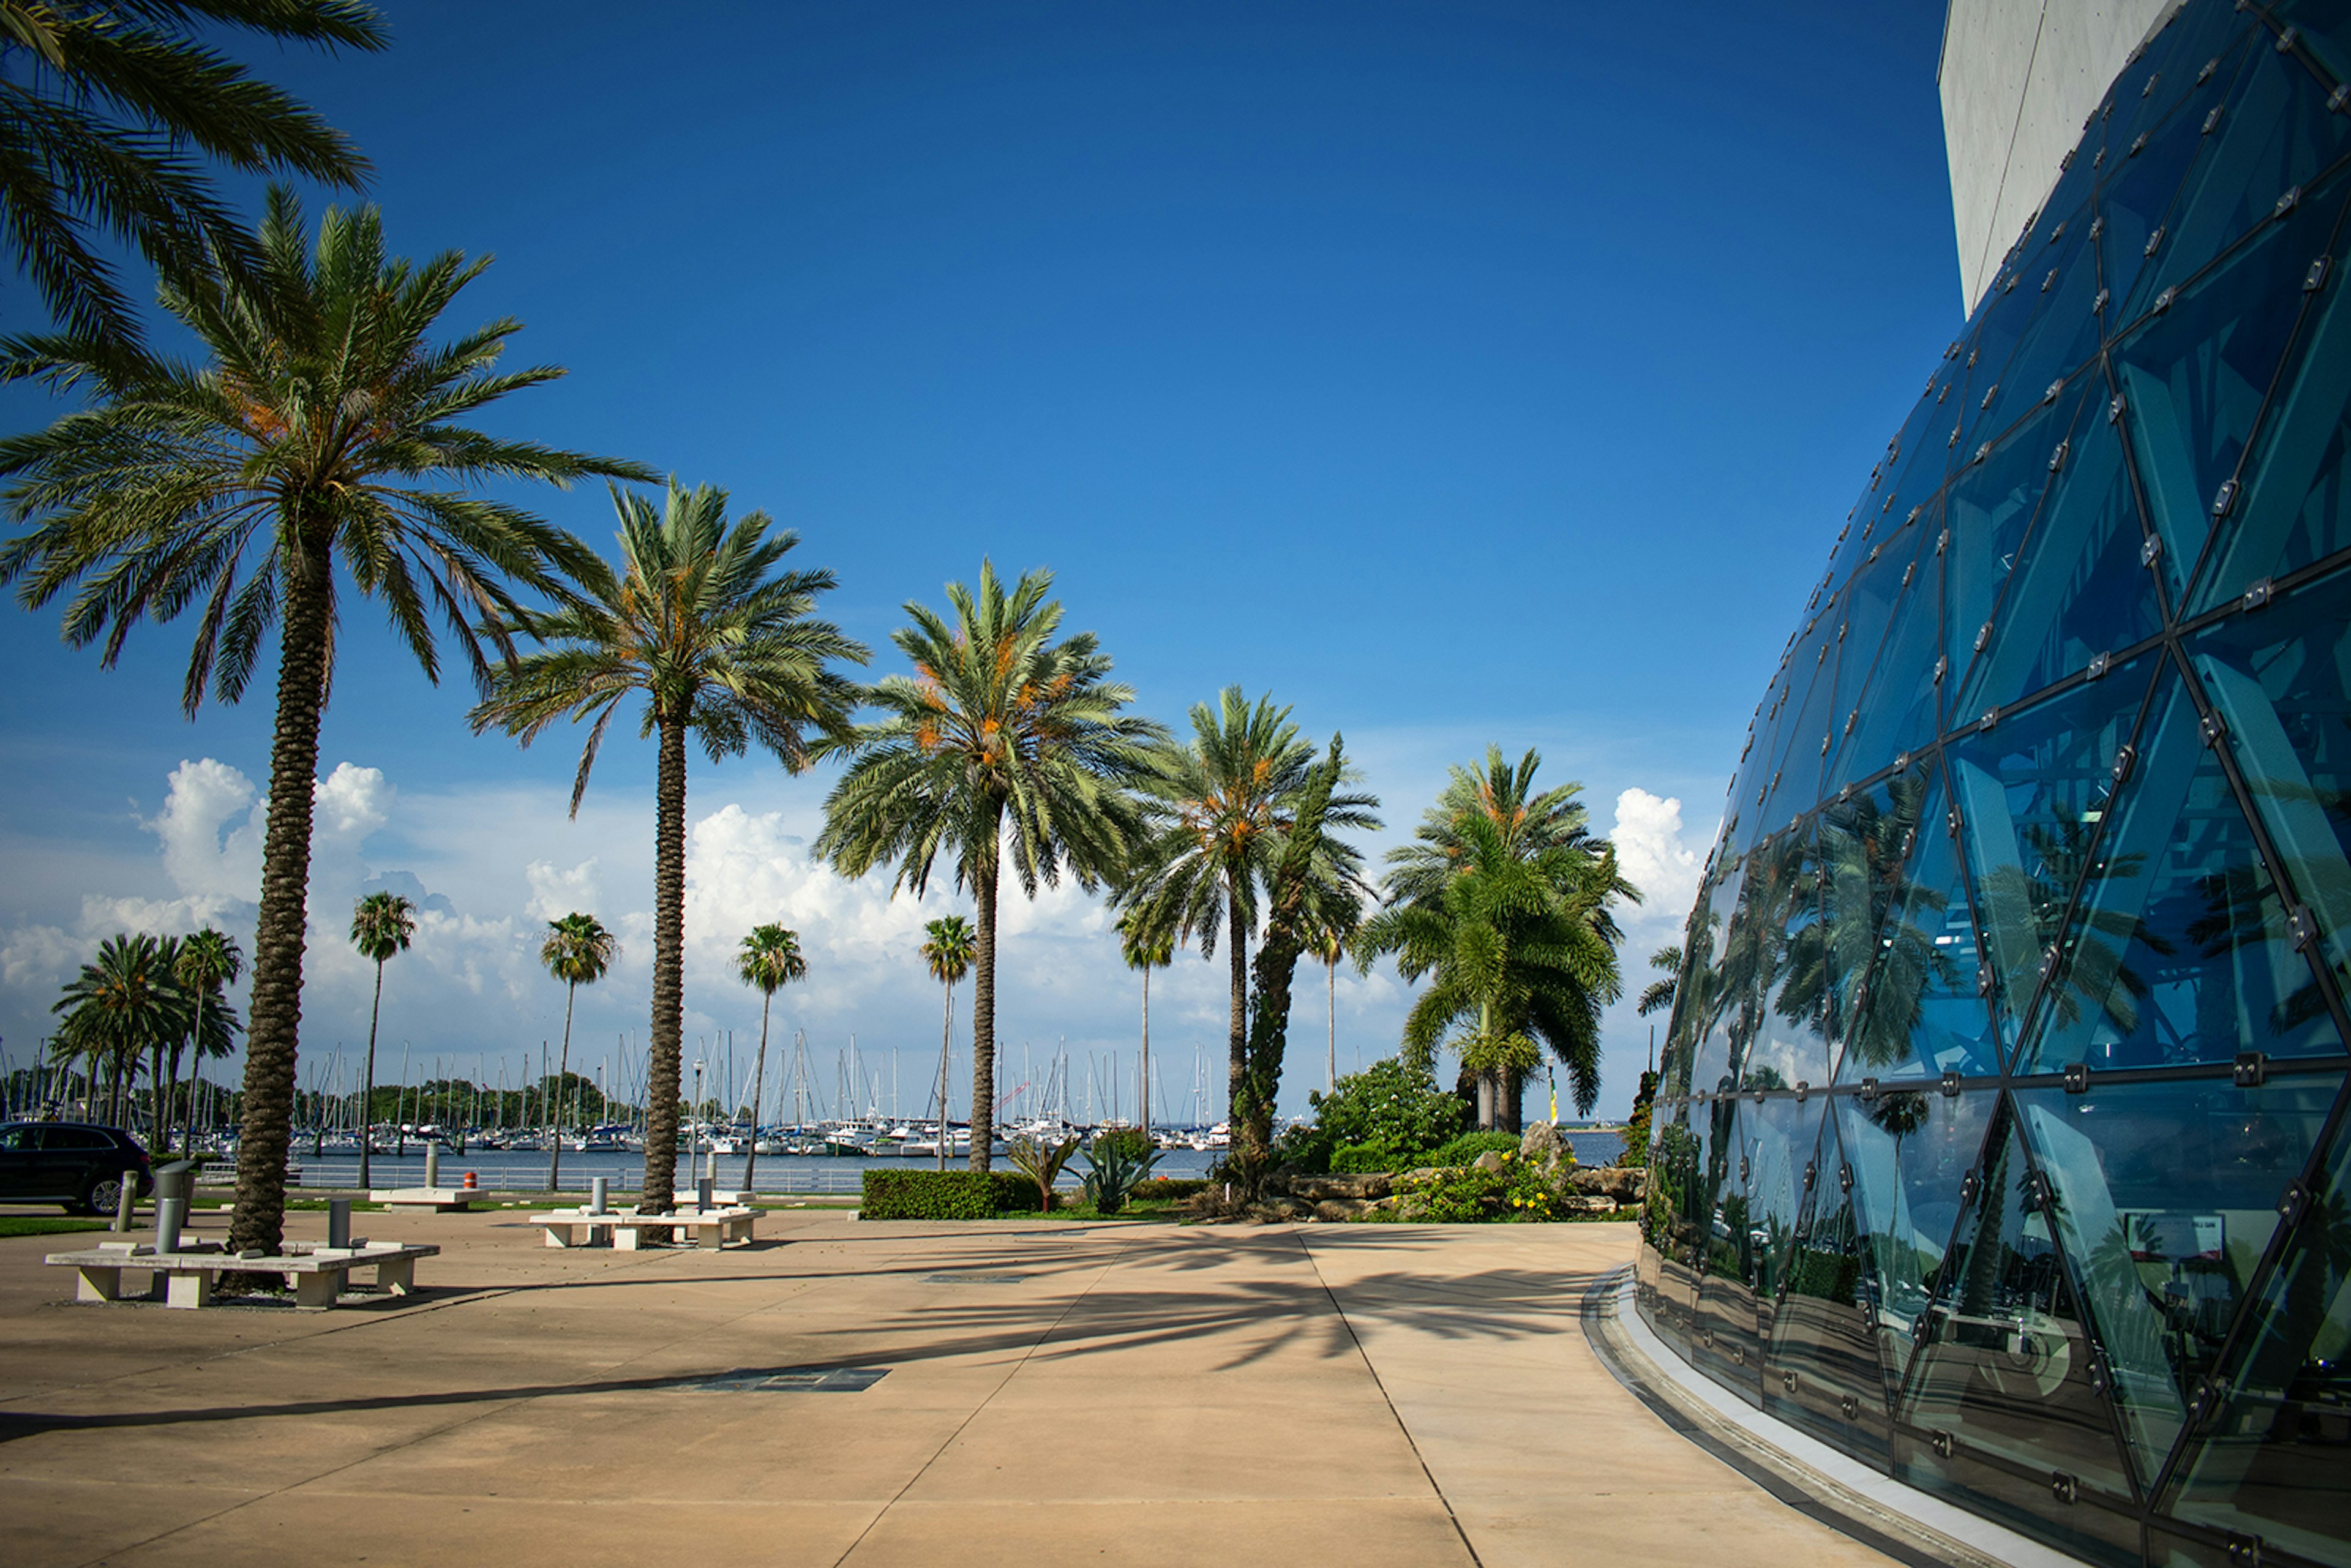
x=790, y=1379
x=973, y=1279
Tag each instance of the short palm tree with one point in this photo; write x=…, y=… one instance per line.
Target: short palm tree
x=382, y=925
x=578, y=952
x=1657, y=997
x=322, y=424
x=1144, y=949
x=1218, y=807
x=209, y=960
x=1002, y=740
x=104, y=100
x=770, y=959
x=699, y=621
x=124, y=1004
x=948, y=953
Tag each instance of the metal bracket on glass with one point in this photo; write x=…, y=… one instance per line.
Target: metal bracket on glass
x=1742, y=1168
x=2287, y=203
x=2097, y=666
x=2057, y=458
x=1788, y=1381
x=2126, y=758
x=2252, y=1070
x=2291, y=1202
x=2151, y=551
x=1985, y=406
x=1941, y=540
x=2064, y=1488
x=1990, y=716
x=1804, y=1089
x=1944, y=1443
x=2337, y=100
x=2054, y=388
x=2245, y=1551
x=2077, y=1078
x=1983, y=635
x=2138, y=144
x=1812, y=1175
x=1951, y=822
x=2213, y=120
x=2214, y=728
x=2049, y=282
x=2316, y=278
x=2301, y=925
x=2049, y=961
x=1844, y=1172
x=2287, y=40
x=1983, y=979
x=2206, y=74
x=1970, y=1185
x=2224, y=499
x=1981, y=453
x=1954, y=440
x=1869, y=1088
x=2036, y=1191
x=2116, y=406
x=2098, y=1375
x=2163, y=302
x=1951, y=1085
x=2154, y=242
x=2097, y=225
x=1850, y=1407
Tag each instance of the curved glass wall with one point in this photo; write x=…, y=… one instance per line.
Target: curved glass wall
x=2003, y=1137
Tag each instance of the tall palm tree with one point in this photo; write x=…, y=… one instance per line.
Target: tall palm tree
x=1657, y=997
x=209, y=960
x=1503, y=795
x=1144, y=949
x=382, y=924
x=123, y=1004
x=949, y=954
x=1218, y=807
x=321, y=424
x=578, y=951
x=1002, y=740
x=770, y=959
x=1334, y=923
x=102, y=102
x=699, y=621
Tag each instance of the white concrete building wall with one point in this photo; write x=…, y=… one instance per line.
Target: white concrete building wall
x=2019, y=78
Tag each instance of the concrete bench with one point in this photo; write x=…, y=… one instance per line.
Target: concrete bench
x=316, y=1274
x=439, y=1199
x=712, y=1227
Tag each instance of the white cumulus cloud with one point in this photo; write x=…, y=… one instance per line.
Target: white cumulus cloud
x=1657, y=857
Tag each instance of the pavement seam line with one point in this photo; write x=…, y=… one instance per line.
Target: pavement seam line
x=1394, y=1413
x=973, y=1415
x=488, y=1411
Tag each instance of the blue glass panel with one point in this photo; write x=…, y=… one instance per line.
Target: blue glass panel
x=1670, y=1216
x=1713, y=1011
x=1989, y=510
x=2137, y=188
x=1919, y=1015
x=2167, y=1197
x=2073, y=586
x=1806, y=728
x=2063, y=336
x=1779, y=890
x=1724, y=1345
x=1863, y=842
x=1821, y=1370
x=2295, y=508
x=1903, y=473
x=2194, y=378
x=2323, y=29
x=1905, y=1154
x=2030, y=791
x=2274, y=1459
x=2003, y=1363
x=2280, y=679
x=2173, y=67
x=1899, y=581
x=2179, y=951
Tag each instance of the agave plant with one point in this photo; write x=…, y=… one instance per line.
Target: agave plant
x=1042, y=1162
x=1114, y=1165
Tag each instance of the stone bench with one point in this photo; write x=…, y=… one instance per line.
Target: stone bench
x=439, y=1199
x=317, y=1274
x=712, y=1227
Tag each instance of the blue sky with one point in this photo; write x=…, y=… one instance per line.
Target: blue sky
x=1456, y=372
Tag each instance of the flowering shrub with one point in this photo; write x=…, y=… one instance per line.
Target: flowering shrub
x=1518, y=1193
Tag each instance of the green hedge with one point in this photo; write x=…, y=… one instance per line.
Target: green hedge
x=1166, y=1189
x=1465, y=1149
x=946, y=1195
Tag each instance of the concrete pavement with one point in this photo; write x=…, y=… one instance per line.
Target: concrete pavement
x=1053, y=1392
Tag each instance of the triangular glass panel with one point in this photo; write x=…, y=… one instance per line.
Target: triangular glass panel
x=1885, y=587
x=2073, y=587
x=2010, y=305
x=1724, y=1342
x=2063, y=336
x=1673, y=1224
x=1863, y=845
x=2294, y=507
x=2275, y=135
x=2266, y=1460
x=2322, y=30
x=1821, y=1371
x=1779, y=893
x=1790, y=1042
x=2180, y=948
x=2004, y=1362
x=2194, y=377
x=2172, y=69
x=1898, y=706
x=2137, y=188
x=1695, y=987
x=1806, y=729
x=1712, y=1004
x=1753, y=1235
x=1907, y=1152
x=1909, y=473
x=2029, y=791
x=2280, y=678
x=2166, y=1262
x=1989, y=510
x=1918, y=1014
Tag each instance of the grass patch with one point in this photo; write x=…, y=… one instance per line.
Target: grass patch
x=46, y=1224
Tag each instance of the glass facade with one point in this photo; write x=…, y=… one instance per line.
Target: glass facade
x=2002, y=1140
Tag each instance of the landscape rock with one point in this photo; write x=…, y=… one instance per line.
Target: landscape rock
x=1491, y=1161
x=1625, y=1186
x=1541, y=1146
x=1588, y=1203
x=1364, y=1187
x=1339, y=1210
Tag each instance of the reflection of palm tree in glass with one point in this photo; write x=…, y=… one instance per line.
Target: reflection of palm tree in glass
x=2241, y=910
x=1755, y=953
x=1696, y=985
x=1865, y=971
x=2030, y=901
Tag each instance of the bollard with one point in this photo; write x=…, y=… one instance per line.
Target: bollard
x=338, y=1222
x=703, y=1190
x=171, y=1213
x=710, y=1167
x=127, y=1201
x=432, y=1164
x=596, y=1189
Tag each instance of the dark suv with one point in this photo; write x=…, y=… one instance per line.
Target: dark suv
x=78, y=1164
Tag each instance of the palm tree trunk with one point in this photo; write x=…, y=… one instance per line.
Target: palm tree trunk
x=273, y=1034
x=562, y=1068
x=947, y=1044
x=172, y=1089
x=758, y=1090
x=156, y=1099
x=367, y=1086
x=1147, y=1052
x=983, y=999
x=1237, y=956
x=666, y=1038
x=1331, y=1080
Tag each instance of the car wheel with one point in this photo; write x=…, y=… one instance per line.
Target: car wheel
x=104, y=1195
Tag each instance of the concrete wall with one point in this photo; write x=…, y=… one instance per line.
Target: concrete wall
x=2019, y=78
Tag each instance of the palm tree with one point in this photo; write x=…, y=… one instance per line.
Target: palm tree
x=209, y=960
x=102, y=103
x=949, y=954
x=381, y=925
x=1335, y=923
x=1502, y=795
x=322, y=424
x=1144, y=949
x=770, y=959
x=1657, y=997
x=1001, y=740
x=1219, y=807
x=578, y=951
x=125, y=1003
x=721, y=645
